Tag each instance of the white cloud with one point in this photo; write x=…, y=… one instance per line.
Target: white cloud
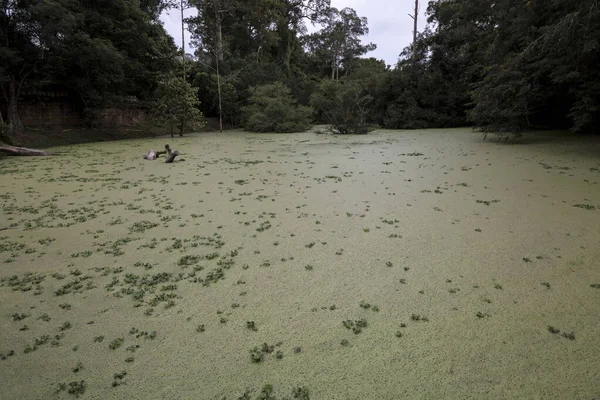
x=390, y=27
x=389, y=24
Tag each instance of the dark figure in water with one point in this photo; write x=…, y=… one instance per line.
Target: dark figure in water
x=171, y=154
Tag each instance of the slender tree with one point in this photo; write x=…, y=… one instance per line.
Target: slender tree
x=415, y=18
x=207, y=29
x=183, y=5
x=340, y=40
x=177, y=105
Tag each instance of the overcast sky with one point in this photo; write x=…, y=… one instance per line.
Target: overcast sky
x=389, y=24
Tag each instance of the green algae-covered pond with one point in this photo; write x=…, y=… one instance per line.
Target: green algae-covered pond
x=400, y=264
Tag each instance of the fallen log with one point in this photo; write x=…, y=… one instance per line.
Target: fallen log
x=171, y=156
x=153, y=155
x=23, y=151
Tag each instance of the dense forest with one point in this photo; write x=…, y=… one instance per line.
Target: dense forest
x=502, y=65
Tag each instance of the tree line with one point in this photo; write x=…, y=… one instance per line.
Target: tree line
x=502, y=66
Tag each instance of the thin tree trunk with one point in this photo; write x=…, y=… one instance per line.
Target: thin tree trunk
x=287, y=57
x=3, y=133
x=414, y=43
x=182, y=127
x=333, y=63
x=219, y=35
x=15, y=126
x=220, y=100
x=182, y=40
x=219, y=57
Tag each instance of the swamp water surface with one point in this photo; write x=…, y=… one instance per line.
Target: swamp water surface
x=421, y=265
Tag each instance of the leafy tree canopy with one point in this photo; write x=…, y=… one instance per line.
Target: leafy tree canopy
x=273, y=109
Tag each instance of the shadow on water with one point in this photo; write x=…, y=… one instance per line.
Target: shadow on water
x=560, y=138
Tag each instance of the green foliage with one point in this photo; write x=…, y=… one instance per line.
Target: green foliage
x=423, y=99
x=251, y=44
x=338, y=44
x=343, y=105
x=528, y=63
x=434, y=91
x=504, y=66
x=273, y=109
x=101, y=53
x=177, y=105
x=509, y=67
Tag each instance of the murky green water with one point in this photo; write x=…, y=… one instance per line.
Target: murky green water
x=423, y=264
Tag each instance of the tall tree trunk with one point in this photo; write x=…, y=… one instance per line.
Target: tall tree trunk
x=333, y=64
x=219, y=57
x=181, y=126
x=219, y=20
x=3, y=130
x=182, y=41
x=414, y=43
x=284, y=52
x=220, y=100
x=288, y=54
x=182, y=8
x=15, y=126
